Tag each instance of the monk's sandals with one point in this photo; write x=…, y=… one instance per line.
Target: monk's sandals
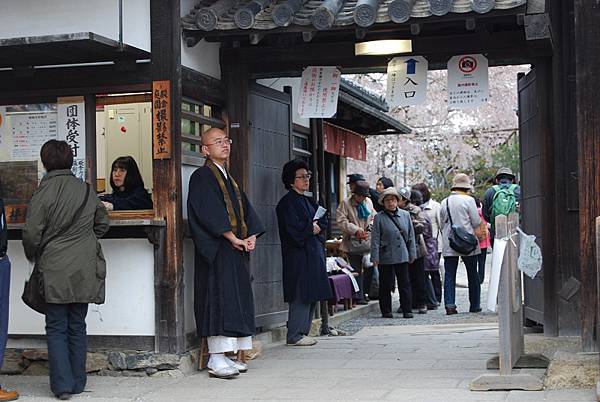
x=223, y=372
x=239, y=366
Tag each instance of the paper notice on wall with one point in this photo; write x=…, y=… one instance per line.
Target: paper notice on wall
x=530, y=255
x=28, y=132
x=406, y=81
x=497, y=260
x=319, y=90
x=468, y=85
x=71, y=128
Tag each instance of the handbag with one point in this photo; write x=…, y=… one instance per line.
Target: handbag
x=33, y=291
x=358, y=246
x=460, y=240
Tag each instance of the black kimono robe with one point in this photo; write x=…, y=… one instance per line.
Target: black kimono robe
x=223, y=299
x=302, y=252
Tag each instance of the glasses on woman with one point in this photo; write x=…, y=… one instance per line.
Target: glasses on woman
x=304, y=176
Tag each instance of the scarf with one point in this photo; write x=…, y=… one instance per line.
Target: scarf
x=363, y=211
x=228, y=204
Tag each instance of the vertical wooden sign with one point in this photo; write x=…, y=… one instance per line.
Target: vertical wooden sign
x=161, y=119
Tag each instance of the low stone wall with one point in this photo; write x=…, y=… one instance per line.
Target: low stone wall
x=114, y=364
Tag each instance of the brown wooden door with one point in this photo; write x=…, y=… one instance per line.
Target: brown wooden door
x=531, y=139
x=270, y=114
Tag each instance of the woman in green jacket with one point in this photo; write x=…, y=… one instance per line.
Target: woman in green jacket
x=64, y=221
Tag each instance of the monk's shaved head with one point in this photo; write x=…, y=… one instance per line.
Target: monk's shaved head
x=216, y=145
x=211, y=134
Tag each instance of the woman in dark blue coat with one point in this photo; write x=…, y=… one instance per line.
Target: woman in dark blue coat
x=305, y=279
x=127, y=185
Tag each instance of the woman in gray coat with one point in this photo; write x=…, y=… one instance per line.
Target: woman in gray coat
x=61, y=236
x=463, y=211
x=392, y=249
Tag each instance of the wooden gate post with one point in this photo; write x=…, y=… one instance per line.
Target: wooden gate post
x=510, y=322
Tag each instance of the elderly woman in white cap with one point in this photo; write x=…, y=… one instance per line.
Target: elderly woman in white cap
x=459, y=209
x=392, y=249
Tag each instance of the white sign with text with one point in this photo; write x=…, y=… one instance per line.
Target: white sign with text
x=406, y=81
x=71, y=128
x=319, y=90
x=468, y=85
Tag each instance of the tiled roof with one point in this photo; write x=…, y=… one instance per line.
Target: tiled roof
x=225, y=15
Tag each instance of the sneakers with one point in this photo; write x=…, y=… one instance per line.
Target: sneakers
x=451, y=311
x=8, y=395
x=304, y=341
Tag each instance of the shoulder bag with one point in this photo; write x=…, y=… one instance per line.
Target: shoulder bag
x=460, y=239
x=33, y=291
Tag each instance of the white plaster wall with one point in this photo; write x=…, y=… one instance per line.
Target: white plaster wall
x=19, y=18
x=129, y=306
x=204, y=57
x=294, y=82
x=186, y=173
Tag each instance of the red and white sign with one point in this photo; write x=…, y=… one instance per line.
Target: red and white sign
x=468, y=84
x=319, y=92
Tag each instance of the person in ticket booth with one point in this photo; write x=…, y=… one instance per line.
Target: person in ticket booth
x=127, y=185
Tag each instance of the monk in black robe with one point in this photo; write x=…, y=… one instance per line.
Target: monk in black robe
x=224, y=229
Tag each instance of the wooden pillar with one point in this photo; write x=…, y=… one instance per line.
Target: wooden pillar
x=587, y=54
x=238, y=96
x=90, y=139
x=168, y=282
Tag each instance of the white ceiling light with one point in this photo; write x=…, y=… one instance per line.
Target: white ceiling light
x=379, y=47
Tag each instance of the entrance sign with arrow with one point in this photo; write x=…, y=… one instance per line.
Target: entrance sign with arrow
x=468, y=85
x=406, y=81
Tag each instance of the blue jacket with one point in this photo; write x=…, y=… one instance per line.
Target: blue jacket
x=388, y=244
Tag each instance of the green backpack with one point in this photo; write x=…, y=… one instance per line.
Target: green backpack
x=504, y=201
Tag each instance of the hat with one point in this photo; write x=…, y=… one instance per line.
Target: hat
x=505, y=171
x=354, y=177
x=361, y=188
x=404, y=193
x=388, y=191
x=462, y=181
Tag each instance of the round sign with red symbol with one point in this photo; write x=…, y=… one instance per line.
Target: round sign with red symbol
x=467, y=64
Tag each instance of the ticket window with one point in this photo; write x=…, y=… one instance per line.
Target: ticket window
x=123, y=128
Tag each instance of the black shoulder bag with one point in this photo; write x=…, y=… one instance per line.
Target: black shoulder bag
x=460, y=240
x=33, y=291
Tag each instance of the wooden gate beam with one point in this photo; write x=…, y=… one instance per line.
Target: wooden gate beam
x=168, y=282
x=587, y=54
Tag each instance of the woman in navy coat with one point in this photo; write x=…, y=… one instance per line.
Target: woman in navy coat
x=305, y=279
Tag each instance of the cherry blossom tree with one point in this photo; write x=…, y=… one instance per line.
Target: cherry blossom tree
x=445, y=142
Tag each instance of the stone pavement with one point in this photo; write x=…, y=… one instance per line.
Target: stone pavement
x=383, y=363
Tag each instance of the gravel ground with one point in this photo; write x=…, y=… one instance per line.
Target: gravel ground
x=433, y=316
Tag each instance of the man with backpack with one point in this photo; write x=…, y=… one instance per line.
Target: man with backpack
x=502, y=198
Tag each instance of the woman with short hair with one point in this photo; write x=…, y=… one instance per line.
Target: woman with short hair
x=305, y=280
x=127, y=185
x=392, y=249
x=64, y=222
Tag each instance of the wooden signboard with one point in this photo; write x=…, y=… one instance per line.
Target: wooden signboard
x=161, y=119
x=15, y=213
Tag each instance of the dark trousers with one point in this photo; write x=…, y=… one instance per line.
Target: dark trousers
x=430, y=293
x=364, y=278
x=386, y=286
x=4, y=298
x=300, y=317
x=416, y=272
x=436, y=281
x=451, y=265
x=481, y=265
x=67, y=347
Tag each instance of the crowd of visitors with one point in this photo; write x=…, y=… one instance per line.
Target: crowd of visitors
x=406, y=233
